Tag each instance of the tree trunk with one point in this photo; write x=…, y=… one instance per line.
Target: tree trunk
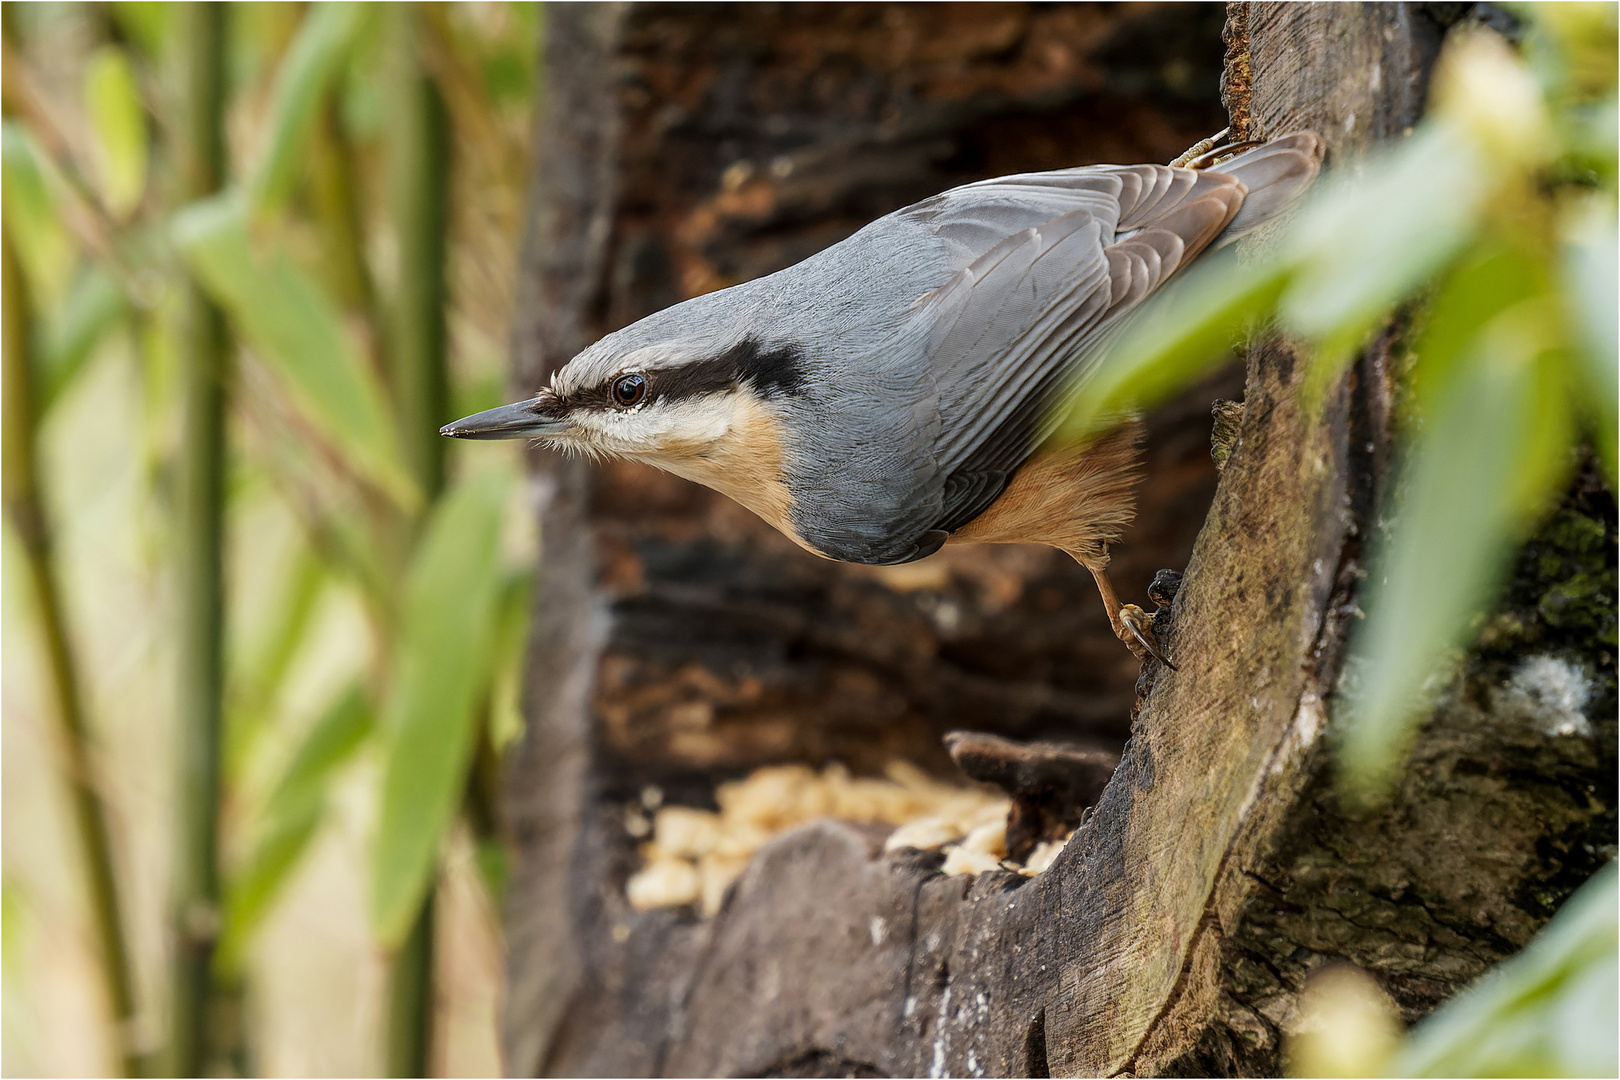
x=680, y=642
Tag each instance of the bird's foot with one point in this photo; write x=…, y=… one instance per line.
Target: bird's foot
x=1131, y=624
x=1135, y=628
x=1200, y=148
x=1211, y=151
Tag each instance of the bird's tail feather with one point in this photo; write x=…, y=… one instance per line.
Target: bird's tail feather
x=1276, y=175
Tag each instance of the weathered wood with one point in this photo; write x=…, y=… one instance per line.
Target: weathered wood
x=1051, y=784
x=681, y=642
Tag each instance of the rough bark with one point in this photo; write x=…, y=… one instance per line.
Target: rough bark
x=679, y=642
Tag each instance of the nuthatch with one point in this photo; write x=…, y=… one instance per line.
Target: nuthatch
x=899, y=390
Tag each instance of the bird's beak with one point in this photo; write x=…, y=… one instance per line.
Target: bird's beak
x=539, y=416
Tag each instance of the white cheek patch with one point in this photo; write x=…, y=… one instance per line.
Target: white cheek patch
x=659, y=427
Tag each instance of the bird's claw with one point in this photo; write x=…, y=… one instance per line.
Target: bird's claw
x=1137, y=627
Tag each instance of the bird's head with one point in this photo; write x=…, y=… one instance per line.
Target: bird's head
x=710, y=413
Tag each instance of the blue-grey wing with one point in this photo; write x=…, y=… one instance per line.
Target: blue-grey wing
x=1049, y=263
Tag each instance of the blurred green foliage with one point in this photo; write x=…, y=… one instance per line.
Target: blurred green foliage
x=282, y=311
x=90, y=182
x=112, y=106
x=443, y=662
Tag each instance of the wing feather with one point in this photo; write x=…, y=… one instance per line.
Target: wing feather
x=1050, y=264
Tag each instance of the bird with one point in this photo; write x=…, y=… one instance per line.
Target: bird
x=904, y=388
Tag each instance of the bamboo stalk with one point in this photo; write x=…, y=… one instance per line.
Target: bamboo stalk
x=419, y=167
x=26, y=512
x=204, y=378
x=419, y=380
x=337, y=206
x=410, y=999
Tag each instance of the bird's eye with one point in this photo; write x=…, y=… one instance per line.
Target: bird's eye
x=629, y=390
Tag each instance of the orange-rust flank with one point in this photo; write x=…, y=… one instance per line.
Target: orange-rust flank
x=1074, y=496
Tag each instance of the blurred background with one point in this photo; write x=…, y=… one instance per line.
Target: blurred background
x=266, y=630
x=255, y=254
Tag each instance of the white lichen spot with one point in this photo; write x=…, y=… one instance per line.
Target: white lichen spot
x=876, y=927
x=941, y=1033
x=1310, y=719
x=1549, y=693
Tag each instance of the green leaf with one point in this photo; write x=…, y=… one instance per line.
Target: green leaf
x=443, y=659
x=144, y=22
x=1174, y=340
x=93, y=305
x=1549, y=1011
x=297, y=330
x=506, y=713
x=112, y=105
x=494, y=864
x=311, y=68
x=1493, y=448
x=43, y=246
x=1591, y=282
x=1360, y=248
x=291, y=816
x=1492, y=278
x=264, y=667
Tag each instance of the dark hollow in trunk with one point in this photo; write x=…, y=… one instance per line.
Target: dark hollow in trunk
x=679, y=642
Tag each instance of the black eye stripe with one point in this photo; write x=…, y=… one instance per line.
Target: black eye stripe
x=770, y=371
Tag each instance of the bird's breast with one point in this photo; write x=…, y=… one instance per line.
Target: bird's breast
x=744, y=463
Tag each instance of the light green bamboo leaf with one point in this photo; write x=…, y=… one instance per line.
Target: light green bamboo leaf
x=43, y=246
x=93, y=305
x=506, y=714
x=284, y=627
x=306, y=76
x=1591, y=281
x=297, y=330
x=289, y=821
x=443, y=661
x=1491, y=278
x=25, y=190
x=112, y=105
x=1361, y=246
x=494, y=862
x=144, y=22
x=1549, y=1011
x=1179, y=336
x=1493, y=449
x=256, y=680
